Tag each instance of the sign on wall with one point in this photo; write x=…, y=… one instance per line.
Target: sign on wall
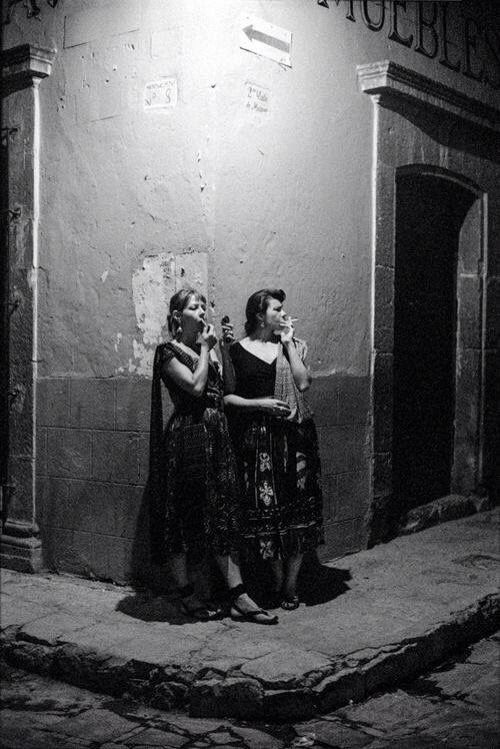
x=160, y=94
x=267, y=40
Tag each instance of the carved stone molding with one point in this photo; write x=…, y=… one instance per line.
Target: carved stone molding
x=24, y=65
x=391, y=82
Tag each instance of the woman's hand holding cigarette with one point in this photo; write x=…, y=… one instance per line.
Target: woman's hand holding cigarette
x=288, y=329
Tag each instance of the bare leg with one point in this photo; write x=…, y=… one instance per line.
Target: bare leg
x=232, y=576
x=293, y=565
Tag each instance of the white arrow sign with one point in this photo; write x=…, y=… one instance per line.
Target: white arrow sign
x=267, y=40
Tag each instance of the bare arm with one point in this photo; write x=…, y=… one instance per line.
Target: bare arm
x=194, y=382
x=300, y=372
x=271, y=405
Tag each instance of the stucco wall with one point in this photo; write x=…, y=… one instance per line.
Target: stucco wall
x=137, y=199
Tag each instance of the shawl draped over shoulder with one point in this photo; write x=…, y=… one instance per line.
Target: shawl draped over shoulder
x=285, y=388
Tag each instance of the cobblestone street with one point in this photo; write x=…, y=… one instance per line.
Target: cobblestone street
x=454, y=706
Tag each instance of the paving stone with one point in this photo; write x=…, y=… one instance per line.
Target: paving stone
x=96, y=725
x=153, y=737
x=255, y=739
x=48, y=629
x=286, y=667
x=392, y=712
x=336, y=734
x=198, y=726
x=470, y=736
x=222, y=738
x=22, y=737
x=411, y=742
x=14, y=611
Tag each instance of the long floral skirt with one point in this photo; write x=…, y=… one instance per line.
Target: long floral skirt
x=198, y=507
x=279, y=471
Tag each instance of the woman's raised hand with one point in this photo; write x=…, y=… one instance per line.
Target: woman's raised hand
x=275, y=407
x=208, y=337
x=287, y=329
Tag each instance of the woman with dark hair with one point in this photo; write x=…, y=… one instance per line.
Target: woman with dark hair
x=194, y=508
x=275, y=441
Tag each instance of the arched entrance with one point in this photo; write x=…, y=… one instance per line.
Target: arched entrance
x=430, y=212
x=434, y=357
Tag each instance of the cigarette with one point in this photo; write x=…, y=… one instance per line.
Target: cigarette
x=292, y=319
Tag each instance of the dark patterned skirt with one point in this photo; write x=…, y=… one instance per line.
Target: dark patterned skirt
x=198, y=509
x=279, y=470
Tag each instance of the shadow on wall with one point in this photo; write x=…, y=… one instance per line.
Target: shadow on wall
x=144, y=574
x=449, y=130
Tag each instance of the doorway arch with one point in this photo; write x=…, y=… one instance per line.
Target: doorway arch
x=431, y=310
x=428, y=302
x=423, y=129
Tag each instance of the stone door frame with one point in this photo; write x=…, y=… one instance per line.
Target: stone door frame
x=22, y=68
x=403, y=99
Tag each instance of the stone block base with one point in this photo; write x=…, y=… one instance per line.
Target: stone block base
x=19, y=550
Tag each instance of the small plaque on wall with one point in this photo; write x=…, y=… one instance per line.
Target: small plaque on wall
x=160, y=94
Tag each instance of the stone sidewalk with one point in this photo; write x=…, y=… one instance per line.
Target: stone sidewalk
x=371, y=619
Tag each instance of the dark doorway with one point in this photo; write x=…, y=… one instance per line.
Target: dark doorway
x=430, y=211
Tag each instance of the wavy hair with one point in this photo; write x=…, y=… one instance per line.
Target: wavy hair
x=257, y=305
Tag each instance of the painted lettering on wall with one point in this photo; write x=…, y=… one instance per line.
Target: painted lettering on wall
x=441, y=31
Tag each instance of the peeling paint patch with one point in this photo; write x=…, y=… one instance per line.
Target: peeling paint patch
x=142, y=363
x=152, y=286
x=158, y=277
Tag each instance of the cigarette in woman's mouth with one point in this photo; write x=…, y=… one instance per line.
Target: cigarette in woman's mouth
x=290, y=320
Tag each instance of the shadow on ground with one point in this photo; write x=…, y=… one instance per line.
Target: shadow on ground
x=318, y=584
x=155, y=599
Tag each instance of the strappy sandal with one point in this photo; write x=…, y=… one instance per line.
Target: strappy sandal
x=257, y=616
x=196, y=609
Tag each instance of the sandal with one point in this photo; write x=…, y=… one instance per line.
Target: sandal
x=290, y=603
x=196, y=609
x=257, y=616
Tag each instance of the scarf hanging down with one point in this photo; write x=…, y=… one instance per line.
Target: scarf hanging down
x=157, y=512
x=285, y=388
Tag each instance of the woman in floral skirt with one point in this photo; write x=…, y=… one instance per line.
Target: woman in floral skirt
x=275, y=441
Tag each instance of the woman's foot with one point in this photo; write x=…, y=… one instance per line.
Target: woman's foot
x=289, y=601
x=243, y=608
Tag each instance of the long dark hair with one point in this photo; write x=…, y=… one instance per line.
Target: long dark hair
x=257, y=305
x=179, y=302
